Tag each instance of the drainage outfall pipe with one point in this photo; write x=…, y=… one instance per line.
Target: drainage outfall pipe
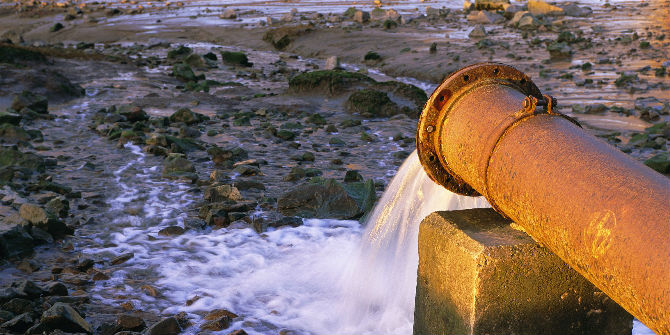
x=487, y=130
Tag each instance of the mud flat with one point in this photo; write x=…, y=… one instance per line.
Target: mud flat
x=156, y=157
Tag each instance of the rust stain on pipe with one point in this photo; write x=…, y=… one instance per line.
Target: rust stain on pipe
x=488, y=130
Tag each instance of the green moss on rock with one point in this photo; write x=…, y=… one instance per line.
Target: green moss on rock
x=13, y=54
x=235, y=58
x=327, y=81
x=371, y=103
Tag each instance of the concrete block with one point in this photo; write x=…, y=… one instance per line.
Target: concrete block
x=479, y=275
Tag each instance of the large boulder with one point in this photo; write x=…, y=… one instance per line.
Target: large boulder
x=371, y=103
x=326, y=198
x=62, y=316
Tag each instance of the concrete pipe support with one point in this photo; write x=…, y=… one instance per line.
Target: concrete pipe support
x=488, y=130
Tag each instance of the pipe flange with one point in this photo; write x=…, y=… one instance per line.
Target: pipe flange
x=440, y=103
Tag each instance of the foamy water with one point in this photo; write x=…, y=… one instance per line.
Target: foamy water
x=325, y=277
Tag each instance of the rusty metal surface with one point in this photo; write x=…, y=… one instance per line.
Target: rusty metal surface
x=602, y=212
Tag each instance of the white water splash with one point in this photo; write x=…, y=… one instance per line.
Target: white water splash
x=325, y=277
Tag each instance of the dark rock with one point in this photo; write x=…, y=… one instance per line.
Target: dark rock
x=217, y=324
x=371, y=103
x=167, y=326
x=27, y=288
x=58, y=206
x=176, y=166
x=286, y=221
x=238, y=332
x=10, y=117
x=179, y=53
x=295, y=174
x=187, y=116
x=13, y=134
x=195, y=61
x=559, y=50
x=331, y=82
x=19, y=324
x=189, y=132
x=29, y=162
x=183, y=144
x=235, y=58
x=43, y=220
x=56, y=27
x=15, y=54
x=127, y=322
x=183, y=72
x=352, y=176
x=19, y=306
x=171, y=231
x=9, y=293
x=75, y=300
x=245, y=184
x=247, y=170
x=56, y=289
x=659, y=162
x=5, y=316
x=62, y=316
x=327, y=199
x=14, y=241
x=226, y=157
x=84, y=264
x=35, y=102
x=133, y=113
x=372, y=56
x=281, y=37
x=122, y=258
x=286, y=135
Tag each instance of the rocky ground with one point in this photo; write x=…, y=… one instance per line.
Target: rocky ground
x=112, y=125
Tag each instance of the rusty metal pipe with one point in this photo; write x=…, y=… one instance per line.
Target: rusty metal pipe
x=488, y=130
